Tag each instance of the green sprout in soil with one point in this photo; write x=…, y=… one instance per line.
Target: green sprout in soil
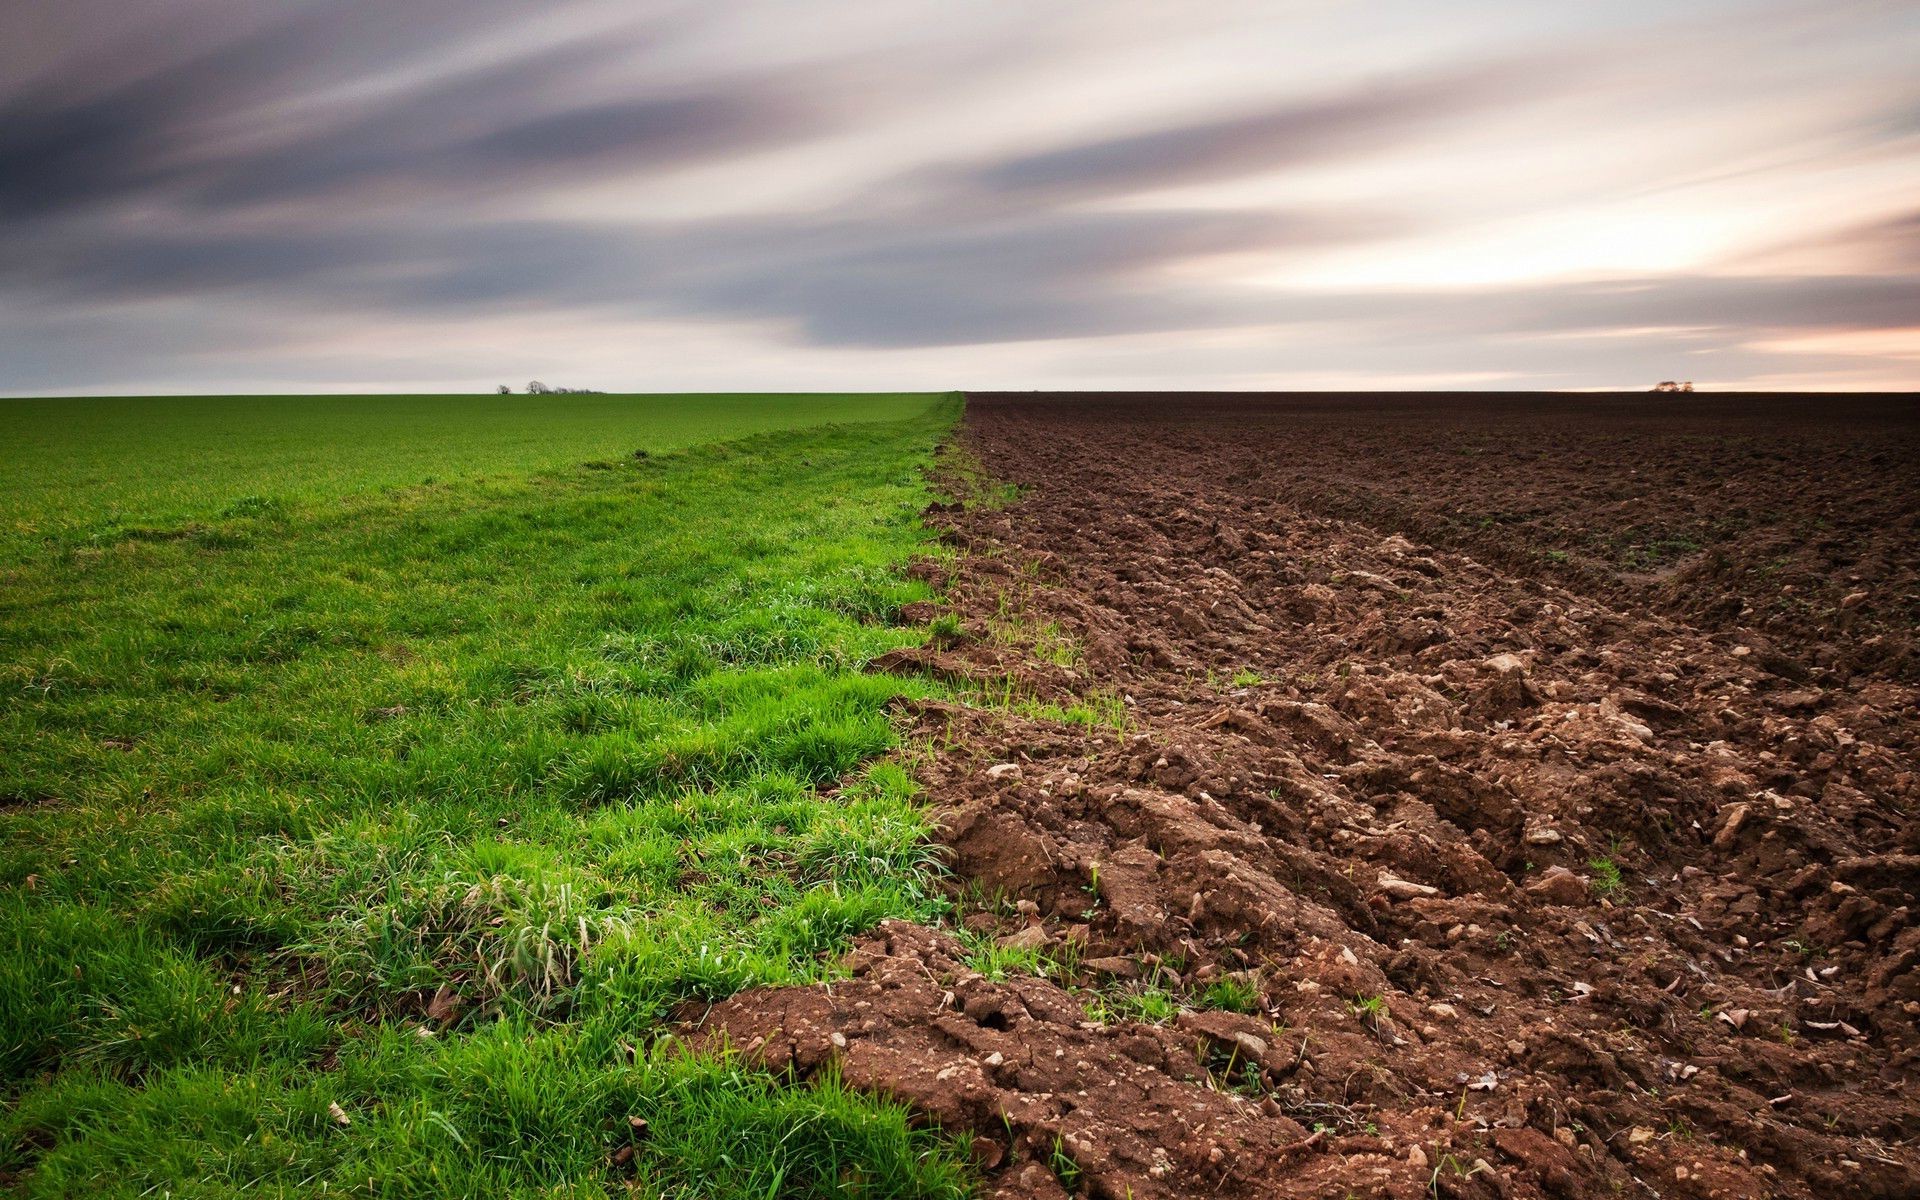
x=1607, y=878
x=1231, y=995
x=1370, y=1009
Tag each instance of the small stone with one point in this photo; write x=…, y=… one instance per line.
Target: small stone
x=1254, y=1047
x=1736, y=816
x=1033, y=937
x=1639, y=1135
x=1405, y=889
x=1446, y=1012
x=1557, y=885
x=1004, y=770
x=1853, y=600
x=838, y=1039
x=1543, y=835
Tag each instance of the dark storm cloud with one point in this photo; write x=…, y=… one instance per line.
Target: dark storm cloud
x=1242, y=143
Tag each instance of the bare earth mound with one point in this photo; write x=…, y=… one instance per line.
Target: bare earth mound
x=1537, y=872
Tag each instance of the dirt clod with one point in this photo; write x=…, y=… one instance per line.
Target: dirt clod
x=1457, y=777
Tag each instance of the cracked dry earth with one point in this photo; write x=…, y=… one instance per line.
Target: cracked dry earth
x=1524, y=889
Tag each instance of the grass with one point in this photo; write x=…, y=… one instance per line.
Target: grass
x=1097, y=709
x=1608, y=880
x=1001, y=963
x=1063, y=1166
x=1151, y=1004
x=1369, y=1008
x=430, y=802
x=1154, y=1002
x=1231, y=995
x=89, y=465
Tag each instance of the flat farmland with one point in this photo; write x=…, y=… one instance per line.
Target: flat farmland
x=1129, y=795
x=90, y=460
x=1416, y=795
x=358, y=832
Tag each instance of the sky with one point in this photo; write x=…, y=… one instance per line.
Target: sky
x=443, y=195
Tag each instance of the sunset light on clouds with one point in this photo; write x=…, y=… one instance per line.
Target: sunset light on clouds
x=431, y=195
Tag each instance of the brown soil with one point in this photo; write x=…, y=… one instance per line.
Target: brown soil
x=1540, y=877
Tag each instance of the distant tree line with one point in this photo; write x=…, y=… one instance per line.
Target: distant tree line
x=536, y=388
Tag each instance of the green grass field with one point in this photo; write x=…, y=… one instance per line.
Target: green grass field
x=359, y=831
x=133, y=460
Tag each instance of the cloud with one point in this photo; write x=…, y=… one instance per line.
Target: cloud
x=440, y=143
x=431, y=161
x=65, y=141
x=1285, y=133
x=179, y=133
x=864, y=281
x=1726, y=301
x=1887, y=244
x=1002, y=278
x=837, y=280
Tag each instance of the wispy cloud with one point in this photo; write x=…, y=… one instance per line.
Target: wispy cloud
x=1289, y=132
x=419, y=163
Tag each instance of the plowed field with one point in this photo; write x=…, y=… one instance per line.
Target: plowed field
x=1412, y=796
